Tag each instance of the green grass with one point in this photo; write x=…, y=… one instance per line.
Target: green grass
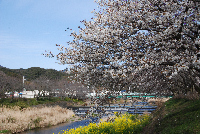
x=27, y=102
x=21, y=102
x=177, y=116
x=5, y=131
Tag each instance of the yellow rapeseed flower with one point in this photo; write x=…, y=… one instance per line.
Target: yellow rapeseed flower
x=122, y=124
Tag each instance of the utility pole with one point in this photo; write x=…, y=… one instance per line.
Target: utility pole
x=23, y=83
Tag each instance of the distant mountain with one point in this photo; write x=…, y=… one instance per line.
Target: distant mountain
x=10, y=72
x=34, y=73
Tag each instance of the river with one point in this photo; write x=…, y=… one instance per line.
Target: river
x=58, y=128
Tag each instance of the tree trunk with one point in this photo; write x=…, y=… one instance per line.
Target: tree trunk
x=12, y=97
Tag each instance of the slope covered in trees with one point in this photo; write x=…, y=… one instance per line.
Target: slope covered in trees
x=37, y=79
x=36, y=72
x=10, y=72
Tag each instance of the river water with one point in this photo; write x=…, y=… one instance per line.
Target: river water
x=59, y=128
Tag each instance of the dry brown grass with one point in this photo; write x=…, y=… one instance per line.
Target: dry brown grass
x=159, y=103
x=107, y=119
x=189, y=96
x=114, y=101
x=121, y=101
x=158, y=100
x=16, y=120
x=146, y=112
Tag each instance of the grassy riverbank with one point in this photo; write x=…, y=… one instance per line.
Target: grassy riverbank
x=16, y=120
x=22, y=114
x=176, y=116
x=25, y=103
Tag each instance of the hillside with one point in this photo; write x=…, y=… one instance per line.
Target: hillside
x=176, y=116
x=39, y=79
x=10, y=72
x=34, y=73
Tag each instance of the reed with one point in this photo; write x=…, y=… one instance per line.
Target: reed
x=16, y=120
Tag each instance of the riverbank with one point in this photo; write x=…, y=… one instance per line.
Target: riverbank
x=119, y=124
x=15, y=120
x=39, y=122
x=20, y=114
x=41, y=102
x=177, y=115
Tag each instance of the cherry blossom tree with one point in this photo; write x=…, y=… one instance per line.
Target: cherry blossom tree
x=127, y=37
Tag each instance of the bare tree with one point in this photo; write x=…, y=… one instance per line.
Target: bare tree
x=3, y=83
x=9, y=84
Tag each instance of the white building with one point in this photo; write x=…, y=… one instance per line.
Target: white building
x=32, y=94
x=28, y=94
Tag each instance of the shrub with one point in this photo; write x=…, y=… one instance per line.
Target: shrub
x=67, y=99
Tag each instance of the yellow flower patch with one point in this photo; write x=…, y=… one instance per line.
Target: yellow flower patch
x=125, y=123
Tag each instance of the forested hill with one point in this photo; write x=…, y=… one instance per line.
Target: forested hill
x=34, y=73
x=10, y=72
x=38, y=79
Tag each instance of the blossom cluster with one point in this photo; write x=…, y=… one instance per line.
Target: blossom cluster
x=128, y=36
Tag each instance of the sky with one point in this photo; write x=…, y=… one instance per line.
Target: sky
x=29, y=27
